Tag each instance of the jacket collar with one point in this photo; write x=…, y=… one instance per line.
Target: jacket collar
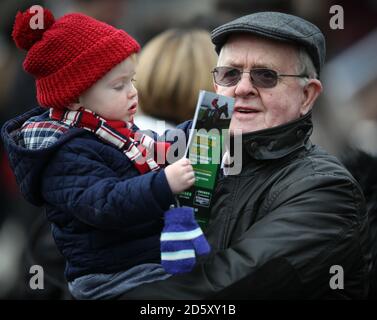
x=280, y=141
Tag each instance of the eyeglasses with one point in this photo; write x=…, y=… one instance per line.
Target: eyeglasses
x=259, y=77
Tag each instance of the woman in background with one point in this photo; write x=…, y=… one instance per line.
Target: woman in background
x=173, y=67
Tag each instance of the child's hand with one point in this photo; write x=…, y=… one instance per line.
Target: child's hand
x=180, y=175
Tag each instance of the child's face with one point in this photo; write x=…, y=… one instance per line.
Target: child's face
x=114, y=96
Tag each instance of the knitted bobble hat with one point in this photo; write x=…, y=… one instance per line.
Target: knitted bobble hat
x=69, y=55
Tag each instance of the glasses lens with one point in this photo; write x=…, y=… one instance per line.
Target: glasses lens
x=226, y=76
x=264, y=78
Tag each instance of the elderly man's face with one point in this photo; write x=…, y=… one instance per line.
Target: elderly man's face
x=261, y=108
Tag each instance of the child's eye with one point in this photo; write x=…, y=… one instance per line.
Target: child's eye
x=119, y=88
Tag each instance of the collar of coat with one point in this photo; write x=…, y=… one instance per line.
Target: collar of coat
x=279, y=141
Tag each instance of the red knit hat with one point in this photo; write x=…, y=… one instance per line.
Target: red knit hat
x=69, y=55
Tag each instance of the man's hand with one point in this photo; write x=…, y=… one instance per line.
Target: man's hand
x=180, y=175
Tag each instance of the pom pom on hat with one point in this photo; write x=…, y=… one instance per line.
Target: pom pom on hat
x=23, y=34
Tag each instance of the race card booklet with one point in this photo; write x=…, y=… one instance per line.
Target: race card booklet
x=204, y=149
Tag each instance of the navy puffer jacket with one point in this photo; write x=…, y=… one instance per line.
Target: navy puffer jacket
x=105, y=217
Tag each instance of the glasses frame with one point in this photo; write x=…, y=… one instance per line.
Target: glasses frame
x=278, y=76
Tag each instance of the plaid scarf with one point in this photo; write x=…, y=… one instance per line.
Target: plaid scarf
x=136, y=146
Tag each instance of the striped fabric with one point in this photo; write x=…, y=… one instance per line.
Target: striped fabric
x=178, y=255
x=181, y=240
x=182, y=235
x=138, y=148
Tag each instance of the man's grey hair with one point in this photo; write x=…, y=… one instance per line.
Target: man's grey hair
x=305, y=65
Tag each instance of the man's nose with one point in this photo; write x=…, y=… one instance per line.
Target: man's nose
x=245, y=87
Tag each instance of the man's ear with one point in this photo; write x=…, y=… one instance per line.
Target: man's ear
x=311, y=92
x=215, y=86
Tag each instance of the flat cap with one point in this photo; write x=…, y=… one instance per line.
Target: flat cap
x=277, y=26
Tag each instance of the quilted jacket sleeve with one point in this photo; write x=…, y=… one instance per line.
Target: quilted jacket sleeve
x=90, y=186
x=309, y=225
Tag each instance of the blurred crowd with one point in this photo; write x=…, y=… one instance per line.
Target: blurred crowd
x=174, y=65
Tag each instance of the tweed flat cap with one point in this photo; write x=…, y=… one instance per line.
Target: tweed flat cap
x=278, y=26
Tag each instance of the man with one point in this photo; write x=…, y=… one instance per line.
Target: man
x=292, y=223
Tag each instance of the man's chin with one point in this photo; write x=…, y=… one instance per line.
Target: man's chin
x=237, y=128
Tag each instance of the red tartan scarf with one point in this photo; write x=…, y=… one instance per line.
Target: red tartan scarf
x=139, y=148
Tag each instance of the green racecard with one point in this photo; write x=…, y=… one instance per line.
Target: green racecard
x=205, y=149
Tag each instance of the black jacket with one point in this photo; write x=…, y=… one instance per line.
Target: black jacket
x=363, y=167
x=278, y=227
x=105, y=216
